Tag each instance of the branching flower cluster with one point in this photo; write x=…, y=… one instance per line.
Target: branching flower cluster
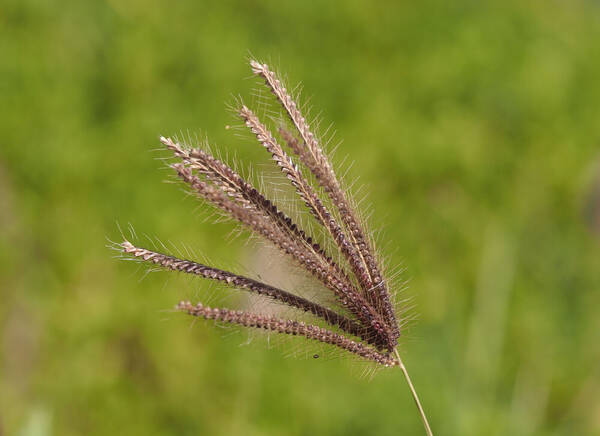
x=362, y=321
x=369, y=324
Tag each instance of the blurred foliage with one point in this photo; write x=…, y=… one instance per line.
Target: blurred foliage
x=475, y=126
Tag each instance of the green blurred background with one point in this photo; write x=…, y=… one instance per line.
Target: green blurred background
x=475, y=127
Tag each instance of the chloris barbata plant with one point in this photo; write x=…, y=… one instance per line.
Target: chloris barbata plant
x=360, y=319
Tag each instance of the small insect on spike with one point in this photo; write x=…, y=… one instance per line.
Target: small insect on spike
x=360, y=319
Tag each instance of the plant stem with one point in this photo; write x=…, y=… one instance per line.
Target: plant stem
x=414, y=394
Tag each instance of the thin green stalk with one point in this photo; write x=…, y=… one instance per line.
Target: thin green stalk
x=414, y=394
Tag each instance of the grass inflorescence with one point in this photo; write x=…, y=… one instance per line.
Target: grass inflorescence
x=361, y=320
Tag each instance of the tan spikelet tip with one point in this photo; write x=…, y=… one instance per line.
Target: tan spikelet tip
x=127, y=247
x=257, y=67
